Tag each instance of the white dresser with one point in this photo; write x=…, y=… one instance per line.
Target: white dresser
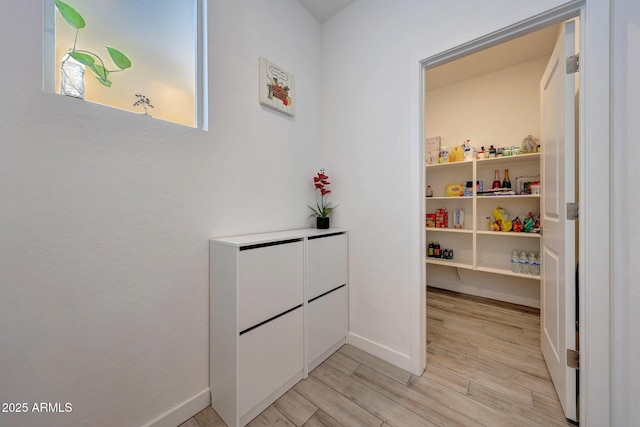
x=279, y=307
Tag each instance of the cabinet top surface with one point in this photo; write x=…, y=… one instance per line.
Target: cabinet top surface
x=252, y=239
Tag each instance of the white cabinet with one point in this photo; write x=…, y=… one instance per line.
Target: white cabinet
x=475, y=247
x=326, y=296
x=278, y=306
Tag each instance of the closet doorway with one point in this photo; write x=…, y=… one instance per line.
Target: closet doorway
x=496, y=98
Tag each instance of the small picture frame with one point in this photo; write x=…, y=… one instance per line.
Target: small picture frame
x=277, y=87
x=432, y=150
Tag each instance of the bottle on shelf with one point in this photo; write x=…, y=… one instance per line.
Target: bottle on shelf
x=515, y=261
x=444, y=155
x=429, y=191
x=430, y=250
x=436, y=250
x=492, y=152
x=532, y=263
x=496, y=180
x=481, y=153
x=506, y=182
x=524, y=263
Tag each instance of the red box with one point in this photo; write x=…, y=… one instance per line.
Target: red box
x=442, y=218
x=431, y=220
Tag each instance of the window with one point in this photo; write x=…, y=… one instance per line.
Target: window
x=143, y=56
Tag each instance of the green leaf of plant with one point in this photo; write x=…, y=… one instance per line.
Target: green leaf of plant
x=120, y=59
x=100, y=71
x=106, y=83
x=70, y=15
x=83, y=58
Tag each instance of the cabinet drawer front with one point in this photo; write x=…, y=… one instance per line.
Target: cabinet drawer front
x=327, y=319
x=268, y=357
x=270, y=282
x=326, y=264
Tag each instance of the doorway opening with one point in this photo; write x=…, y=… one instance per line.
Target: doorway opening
x=492, y=91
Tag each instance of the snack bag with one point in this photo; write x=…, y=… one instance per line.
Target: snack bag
x=503, y=219
x=517, y=225
x=528, y=223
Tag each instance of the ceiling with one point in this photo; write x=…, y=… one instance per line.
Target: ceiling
x=324, y=9
x=516, y=51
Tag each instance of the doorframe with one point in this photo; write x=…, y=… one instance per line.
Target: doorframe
x=594, y=164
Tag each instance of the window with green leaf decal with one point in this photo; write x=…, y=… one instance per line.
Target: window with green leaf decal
x=136, y=55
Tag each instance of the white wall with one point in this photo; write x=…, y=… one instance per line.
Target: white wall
x=626, y=202
x=499, y=108
x=367, y=54
x=105, y=217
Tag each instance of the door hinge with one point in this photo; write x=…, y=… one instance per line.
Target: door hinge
x=573, y=64
x=572, y=211
x=573, y=359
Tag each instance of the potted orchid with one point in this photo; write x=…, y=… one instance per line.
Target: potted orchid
x=323, y=208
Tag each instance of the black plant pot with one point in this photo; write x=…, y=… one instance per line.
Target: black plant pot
x=322, y=222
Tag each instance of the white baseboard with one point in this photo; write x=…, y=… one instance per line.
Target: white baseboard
x=181, y=413
x=380, y=351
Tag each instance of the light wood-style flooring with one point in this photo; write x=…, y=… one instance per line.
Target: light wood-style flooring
x=484, y=368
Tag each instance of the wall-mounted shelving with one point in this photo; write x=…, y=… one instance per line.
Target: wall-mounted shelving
x=475, y=247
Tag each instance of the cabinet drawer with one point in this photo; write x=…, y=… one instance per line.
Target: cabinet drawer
x=327, y=319
x=270, y=282
x=326, y=264
x=268, y=357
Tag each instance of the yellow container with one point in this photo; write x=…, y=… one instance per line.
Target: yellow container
x=456, y=155
x=455, y=190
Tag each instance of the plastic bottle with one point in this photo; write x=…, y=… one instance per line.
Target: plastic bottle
x=429, y=191
x=492, y=152
x=532, y=263
x=481, y=153
x=515, y=261
x=444, y=155
x=524, y=263
x=536, y=264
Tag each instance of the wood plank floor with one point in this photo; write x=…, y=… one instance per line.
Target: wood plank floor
x=484, y=368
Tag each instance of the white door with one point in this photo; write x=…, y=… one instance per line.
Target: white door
x=558, y=92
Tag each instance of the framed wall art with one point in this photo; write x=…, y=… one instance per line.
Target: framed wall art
x=277, y=87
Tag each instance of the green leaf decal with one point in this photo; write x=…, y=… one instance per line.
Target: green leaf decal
x=83, y=58
x=106, y=83
x=100, y=71
x=70, y=15
x=120, y=59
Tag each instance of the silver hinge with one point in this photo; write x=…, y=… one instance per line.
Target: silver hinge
x=573, y=64
x=572, y=211
x=573, y=359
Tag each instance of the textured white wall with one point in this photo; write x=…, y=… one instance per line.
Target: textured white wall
x=105, y=216
x=626, y=202
x=367, y=54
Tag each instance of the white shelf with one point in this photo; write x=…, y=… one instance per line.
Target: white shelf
x=509, y=234
x=494, y=161
x=509, y=196
x=466, y=163
x=450, y=198
x=450, y=230
x=450, y=263
x=506, y=272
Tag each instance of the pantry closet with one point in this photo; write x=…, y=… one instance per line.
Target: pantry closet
x=491, y=98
